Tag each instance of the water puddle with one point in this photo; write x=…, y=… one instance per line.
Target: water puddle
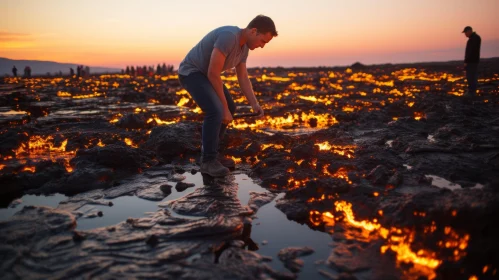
x=125, y=207
x=389, y=143
x=446, y=184
x=30, y=200
x=271, y=231
x=431, y=138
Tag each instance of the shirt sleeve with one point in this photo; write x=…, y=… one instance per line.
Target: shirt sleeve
x=225, y=42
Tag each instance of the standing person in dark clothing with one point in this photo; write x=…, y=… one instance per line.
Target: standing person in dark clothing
x=471, y=59
x=14, y=71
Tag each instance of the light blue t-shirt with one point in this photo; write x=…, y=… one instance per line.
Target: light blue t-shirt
x=226, y=39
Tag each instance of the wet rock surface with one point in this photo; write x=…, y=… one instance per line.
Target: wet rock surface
x=257, y=199
x=38, y=234
x=362, y=154
x=289, y=256
x=218, y=199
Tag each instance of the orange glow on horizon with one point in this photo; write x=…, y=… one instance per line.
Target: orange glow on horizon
x=308, y=34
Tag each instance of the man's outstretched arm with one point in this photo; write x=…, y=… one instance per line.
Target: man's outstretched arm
x=247, y=88
x=217, y=61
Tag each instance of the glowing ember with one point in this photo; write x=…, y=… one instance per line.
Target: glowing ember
x=316, y=100
x=346, y=208
x=399, y=240
x=414, y=74
x=237, y=160
x=345, y=150
x=183, y=101
x=323, y=120
x=418, y=116
x=276, y=146
x=31, y=169
x=39, y=148
x=295, y=184
x=130, y=143
x=197, y=110
x=322, y=198
x=161, y=122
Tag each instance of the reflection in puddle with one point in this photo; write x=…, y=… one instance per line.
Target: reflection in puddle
x=125, y=207
x=271, y=231
x=401, y=241
x=442, y=183
x=389, y=143
x=30, y=200
x=446, y=184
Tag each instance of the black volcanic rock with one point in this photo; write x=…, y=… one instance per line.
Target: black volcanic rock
x=132, y=121
x=111, y=156
x=181, y=186
x=173, y=140
x=379, y=175
x=33, y=224
x=163, y=240
x=258, y=199
x=289, y=257
x=11, y=140
x=219, y=198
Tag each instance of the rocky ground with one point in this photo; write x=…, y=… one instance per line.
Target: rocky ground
x=350, y=148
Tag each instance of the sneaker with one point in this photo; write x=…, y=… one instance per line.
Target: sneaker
x=214, y=168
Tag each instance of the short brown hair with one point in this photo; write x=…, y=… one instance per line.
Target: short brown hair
x=263, y=24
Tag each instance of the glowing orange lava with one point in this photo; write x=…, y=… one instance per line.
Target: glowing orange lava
x=399, y=240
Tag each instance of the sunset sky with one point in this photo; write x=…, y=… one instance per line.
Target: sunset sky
x=311, y=33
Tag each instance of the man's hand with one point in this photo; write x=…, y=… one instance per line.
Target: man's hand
x=227, y=116
x=257, y=109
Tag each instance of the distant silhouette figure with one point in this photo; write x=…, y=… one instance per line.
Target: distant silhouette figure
x=82, y=71
x=27, y=71
x=14, y=71
x=163, y=69
x=471, y=59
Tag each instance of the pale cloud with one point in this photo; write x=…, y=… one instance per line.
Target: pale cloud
x=14, y=37
x=12, y=40
x=45, y=35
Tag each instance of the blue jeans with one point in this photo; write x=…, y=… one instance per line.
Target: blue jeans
x=201, y=90
x=472, y=77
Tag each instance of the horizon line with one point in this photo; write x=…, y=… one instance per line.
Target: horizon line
x=277, y=66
